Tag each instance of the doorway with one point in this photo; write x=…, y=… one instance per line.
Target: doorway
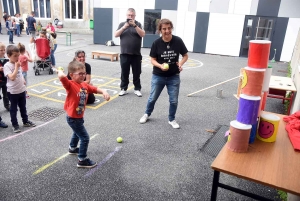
x=256, y=28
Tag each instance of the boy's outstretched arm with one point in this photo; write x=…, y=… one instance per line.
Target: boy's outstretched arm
x=106, y=96
x=60, y=73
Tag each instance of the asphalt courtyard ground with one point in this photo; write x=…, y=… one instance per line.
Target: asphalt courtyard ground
x=154, y=162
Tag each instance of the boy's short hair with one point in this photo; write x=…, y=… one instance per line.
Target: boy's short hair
x=11, y=49
x=2, y=45
x=75, y=66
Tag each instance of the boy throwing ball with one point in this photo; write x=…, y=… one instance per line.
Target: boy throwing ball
x=77, y=94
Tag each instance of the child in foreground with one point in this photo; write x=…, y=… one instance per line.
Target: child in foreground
x=77, y=93
x=16, y=89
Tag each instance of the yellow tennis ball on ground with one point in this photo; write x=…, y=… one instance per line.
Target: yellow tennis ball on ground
x=119, y=139
x=166, y=66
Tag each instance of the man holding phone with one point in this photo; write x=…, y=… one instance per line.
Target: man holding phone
x=130, y=33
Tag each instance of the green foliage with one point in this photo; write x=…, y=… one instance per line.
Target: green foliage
x=288, y=95
x=289, y=70
x=282, y=195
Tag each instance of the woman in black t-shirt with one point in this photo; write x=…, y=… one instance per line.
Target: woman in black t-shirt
x=166, y=69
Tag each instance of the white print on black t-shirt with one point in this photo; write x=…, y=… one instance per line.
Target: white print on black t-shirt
x=168, y=56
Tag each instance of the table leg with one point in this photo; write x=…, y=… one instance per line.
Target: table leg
x=291, y=102
x=215, y=184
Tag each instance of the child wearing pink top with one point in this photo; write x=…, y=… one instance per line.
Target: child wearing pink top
x=23, y=59
x=50, y=27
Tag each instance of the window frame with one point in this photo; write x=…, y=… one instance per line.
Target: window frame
x=70, y=11
x=8, y=7
x=39, y=11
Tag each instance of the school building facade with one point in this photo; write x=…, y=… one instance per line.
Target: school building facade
x=72, y=13
x=222, y=27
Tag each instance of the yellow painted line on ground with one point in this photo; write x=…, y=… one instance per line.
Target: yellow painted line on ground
x=52, y=99
x=50, y=92
x=41, y=83
x=55, y=161
x=49, y=85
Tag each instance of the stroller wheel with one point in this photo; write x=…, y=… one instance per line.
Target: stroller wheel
x=37, y=72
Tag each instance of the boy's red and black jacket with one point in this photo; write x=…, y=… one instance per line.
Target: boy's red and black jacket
x=3, y=79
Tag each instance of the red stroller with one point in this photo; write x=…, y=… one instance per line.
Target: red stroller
x=43, y=52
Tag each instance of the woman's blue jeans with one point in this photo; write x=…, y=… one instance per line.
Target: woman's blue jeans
x=157, y=85
x=52, y=55
x=79, y=133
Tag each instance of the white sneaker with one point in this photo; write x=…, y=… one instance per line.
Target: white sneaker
x=174, y=124
x=138, y=93
x=144, y=119
x=122, y=92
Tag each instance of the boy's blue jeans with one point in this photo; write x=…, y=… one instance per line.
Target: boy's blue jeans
x=157, y=85
x=11, y=36
x=79, y=133
x=15, y=101
x=52, y=57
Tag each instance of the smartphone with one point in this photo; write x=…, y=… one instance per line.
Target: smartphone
x=128, y=20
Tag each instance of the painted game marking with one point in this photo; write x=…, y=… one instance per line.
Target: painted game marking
x=22, y=133
x=56, y=160
x=53, y=90
x=99, y=165
x=189, y=64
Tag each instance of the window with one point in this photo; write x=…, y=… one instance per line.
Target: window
x=151, y=19
x=11, y=6
x=41, y=8
x=73, y=9
x=264, y=29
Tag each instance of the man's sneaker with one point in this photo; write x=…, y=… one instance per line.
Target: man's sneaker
x=74, y=151
x=3, y=125
x=174, y=124
x=86, y=163
x=144, y=119
x=138, y=93
x=16, y=129
x=122, y=92
x=29, y=124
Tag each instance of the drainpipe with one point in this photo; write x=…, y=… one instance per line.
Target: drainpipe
x=89, y=16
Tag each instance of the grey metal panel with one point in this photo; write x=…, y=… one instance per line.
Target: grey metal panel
x=289, y=8
x=166, y=4
x=103, y=22
x=268, y=8
x=278, y=37
x=148, y=39
x=201, y=29
x=254, y=5
x=219, y=6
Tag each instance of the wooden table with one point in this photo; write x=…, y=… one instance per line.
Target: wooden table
x=271, y=164
x=111, y=55
x=279, y=86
